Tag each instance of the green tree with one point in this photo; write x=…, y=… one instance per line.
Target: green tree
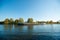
x=11, y=20
x=30, y=20
x=21, y=20
x=16, y=21
x=50, y=21
x=6, y=21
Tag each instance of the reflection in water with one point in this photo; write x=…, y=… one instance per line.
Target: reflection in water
x=18, y=28
x=47, y=31
x=52, y=29
x=8, y=27
x=30, y=29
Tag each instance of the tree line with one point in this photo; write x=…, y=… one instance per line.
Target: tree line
x=20, y=20
x=29, y=20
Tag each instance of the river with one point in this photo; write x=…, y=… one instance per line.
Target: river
x=30, y=32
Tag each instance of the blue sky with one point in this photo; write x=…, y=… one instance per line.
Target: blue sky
x=36, y=9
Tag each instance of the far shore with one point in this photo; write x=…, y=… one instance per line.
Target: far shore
x=42, y=23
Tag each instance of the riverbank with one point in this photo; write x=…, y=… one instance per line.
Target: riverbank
x=30, y=23
x=21, y=23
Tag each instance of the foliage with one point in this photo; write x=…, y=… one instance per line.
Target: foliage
x=21, y=20
x=11, y=20
x=6, y=21
x=30, y=20
x=16, y=21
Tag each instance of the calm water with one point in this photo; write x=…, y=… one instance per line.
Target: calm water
x=31, y=32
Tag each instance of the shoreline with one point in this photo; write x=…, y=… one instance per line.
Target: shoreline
x=27, y=23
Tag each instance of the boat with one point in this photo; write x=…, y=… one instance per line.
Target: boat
x=20, y=23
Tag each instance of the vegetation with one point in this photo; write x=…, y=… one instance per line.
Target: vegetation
x=11, y=21
x=21, y=20
x=6, y=21
x=49, y=22
x=16, y=21
x=29, y=21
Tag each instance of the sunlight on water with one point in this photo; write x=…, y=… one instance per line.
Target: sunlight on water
x=48, y=30
x=31, y=29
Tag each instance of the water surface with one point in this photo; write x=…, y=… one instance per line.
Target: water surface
x=31, y=32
